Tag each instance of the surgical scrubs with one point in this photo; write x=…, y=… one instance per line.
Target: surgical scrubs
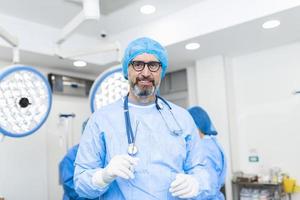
x=215, y=160
x=66, y=173
x=161, y=153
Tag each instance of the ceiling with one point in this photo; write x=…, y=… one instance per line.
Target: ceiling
x=240, y=39
x=116, y=15
x=121, y=15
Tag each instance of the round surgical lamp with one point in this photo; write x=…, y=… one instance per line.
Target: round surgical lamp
x=109, y=87
x=25, y=100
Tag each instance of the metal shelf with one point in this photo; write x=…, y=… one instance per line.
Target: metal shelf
x=272, y=187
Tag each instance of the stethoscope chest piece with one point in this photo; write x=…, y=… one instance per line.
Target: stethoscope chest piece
x=132, y=149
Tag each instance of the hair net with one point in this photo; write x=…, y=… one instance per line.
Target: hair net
x=144, y=45
x=202, y=120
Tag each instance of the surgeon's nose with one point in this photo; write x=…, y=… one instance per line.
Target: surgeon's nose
x=146, y=72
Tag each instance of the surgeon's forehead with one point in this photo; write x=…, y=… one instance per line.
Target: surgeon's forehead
x=145, y=57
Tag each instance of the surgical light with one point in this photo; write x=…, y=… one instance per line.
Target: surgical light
x=271, y=24
x=147, y=9
x=25, y=100
x=109, y=87
x=192, y=46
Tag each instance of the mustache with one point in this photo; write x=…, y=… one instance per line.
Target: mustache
x=144, y=79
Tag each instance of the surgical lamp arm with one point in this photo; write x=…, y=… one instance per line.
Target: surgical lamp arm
x=13, y=41
x=70, y=27
x=91, y=10
x=83, y=52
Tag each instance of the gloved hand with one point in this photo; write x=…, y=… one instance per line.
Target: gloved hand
x=119, y=166
x=184, y=186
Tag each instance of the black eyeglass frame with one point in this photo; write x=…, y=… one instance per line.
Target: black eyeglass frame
x=159, y=65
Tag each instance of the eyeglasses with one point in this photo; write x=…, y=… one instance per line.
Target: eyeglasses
x=138, y=66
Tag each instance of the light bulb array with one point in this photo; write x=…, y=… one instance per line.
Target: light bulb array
x=25, y=101
x=108, y=88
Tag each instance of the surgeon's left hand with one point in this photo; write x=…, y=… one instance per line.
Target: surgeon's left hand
x=184, y=186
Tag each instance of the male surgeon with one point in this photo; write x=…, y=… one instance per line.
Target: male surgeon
x=142, y=146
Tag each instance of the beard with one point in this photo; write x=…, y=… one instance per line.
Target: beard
x=143, y=91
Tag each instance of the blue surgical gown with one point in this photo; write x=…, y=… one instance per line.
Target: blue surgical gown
x=66, y=173
x=161, y=154
x=215, y=161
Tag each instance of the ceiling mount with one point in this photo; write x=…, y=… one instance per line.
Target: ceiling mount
x=90, y=11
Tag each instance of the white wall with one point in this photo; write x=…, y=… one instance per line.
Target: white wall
x=54, y=135
x=192, y=87
x=267, y=113
x=250, y=100
x=208, y=90
x=29, y=165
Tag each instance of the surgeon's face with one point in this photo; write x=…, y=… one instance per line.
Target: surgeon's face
x=145, y=82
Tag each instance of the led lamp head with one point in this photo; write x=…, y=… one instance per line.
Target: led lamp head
x=25, y=100
x=109, y=87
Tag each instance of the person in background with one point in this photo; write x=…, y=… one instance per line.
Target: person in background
x=214, y=155
x=141, y=147
x=66, y=172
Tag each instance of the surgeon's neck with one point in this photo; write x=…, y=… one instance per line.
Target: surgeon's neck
x=141, y=100
x=201, y=134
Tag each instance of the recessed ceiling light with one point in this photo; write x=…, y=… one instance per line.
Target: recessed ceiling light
x=192, y=46
x=271, y=24
x=147, y=9
x=79, y=63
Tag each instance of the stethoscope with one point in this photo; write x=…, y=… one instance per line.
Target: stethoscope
x=132, y=149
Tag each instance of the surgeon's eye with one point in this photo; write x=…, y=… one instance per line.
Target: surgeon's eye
x=153, y=66
x=138, y=65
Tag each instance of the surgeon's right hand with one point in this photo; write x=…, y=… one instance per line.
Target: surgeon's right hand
x=119, y=166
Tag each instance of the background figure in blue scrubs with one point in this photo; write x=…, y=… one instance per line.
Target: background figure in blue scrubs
x=66, y=172
x=141, y=147
x=213, y=152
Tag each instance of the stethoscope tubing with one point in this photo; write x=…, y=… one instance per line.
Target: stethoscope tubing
x=129, y=131
x=159, y=107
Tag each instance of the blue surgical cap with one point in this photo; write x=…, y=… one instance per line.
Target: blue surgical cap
x=144, y=45
x=202, y=120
